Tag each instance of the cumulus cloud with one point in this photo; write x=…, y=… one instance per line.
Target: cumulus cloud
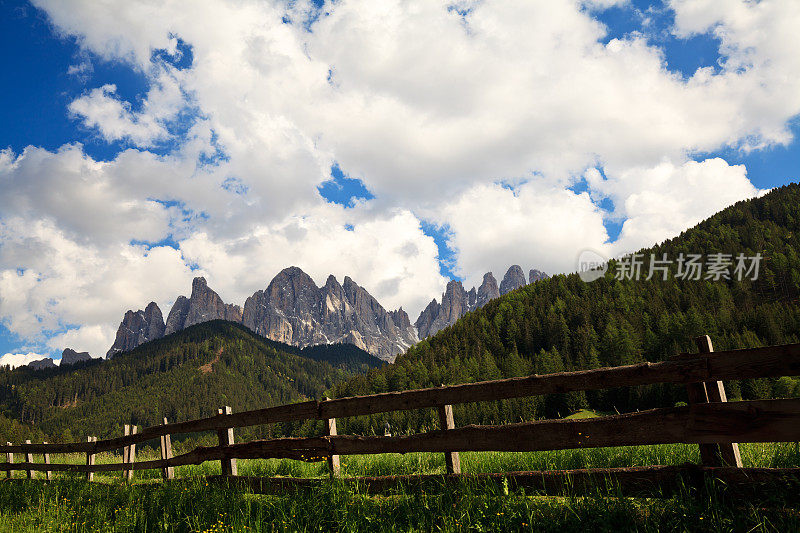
x=538, y=226
x=658, y=203
x=115, y=120
x=433, y=106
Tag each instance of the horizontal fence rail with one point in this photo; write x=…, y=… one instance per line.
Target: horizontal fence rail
x=709, y=420
x=746, y=421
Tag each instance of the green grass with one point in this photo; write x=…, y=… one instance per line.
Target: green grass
x=582, y=413
x=190, y=504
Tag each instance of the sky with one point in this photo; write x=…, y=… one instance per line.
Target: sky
x=400, y=143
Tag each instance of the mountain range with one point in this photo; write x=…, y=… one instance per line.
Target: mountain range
x=293, y=310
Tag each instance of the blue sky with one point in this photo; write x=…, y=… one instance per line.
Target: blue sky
x=37, y=89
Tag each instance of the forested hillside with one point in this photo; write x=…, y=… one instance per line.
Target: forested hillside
x=565, y=323
x=183, y=376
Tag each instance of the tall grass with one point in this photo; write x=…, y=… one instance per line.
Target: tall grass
x=193, y=505
x=190, y=504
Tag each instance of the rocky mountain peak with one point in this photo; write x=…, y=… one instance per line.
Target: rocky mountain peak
x=488, y=290
x=456, y=302
x=294, y=310
x=514, y=279
x=205, y=305
x=400, y=319
x=426, y=319
x=536, y=275
x=41, y=364
x=177, y=315
x=332, y=283
x=199, y=285
x=70, y=357
x=136, y=328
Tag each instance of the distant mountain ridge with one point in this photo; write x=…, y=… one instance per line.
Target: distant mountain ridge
x=457, y=302
x=293, y=310
x=68, y=357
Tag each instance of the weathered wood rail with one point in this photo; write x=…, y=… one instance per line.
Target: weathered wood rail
x=709, y=421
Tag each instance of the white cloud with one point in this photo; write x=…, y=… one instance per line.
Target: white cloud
x=759, y=42
x=535, y=226
x=113, y=117
x=658, y=203
x=92, y=338
x=20, y=359
x=425, y=102
x=82, y=71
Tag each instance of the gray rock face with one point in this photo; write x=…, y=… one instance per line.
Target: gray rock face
x=424, y=323
x=536, y=275
x=285, y=310
x=177, y=315
x=137, y=328
x=488, y=290
x=456, y=302
x=70, y=357
x=205, y=305
x=292, y=309
x=514, y=279
x=41, y=364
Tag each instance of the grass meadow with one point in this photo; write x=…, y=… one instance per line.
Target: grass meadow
x=69, y=503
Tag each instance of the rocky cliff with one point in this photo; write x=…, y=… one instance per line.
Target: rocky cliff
x=514, y=279
x=457, y=302
x=294, y=310
x=70, y=357
x=536, y=275
x=41, y=364
x=137, y=328
x=203, y=305
x=488, y=290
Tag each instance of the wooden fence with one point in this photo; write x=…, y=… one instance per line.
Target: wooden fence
x=708, y=420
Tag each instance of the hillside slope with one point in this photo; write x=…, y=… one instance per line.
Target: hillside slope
x=186, y=375
x=564, y=323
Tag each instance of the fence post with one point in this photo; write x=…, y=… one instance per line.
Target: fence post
x=9, y=459
x=451, y=459
x=29, y=460
x=696, y=393
x=129, y=452
x=48, y=475
x=126, y=450
x=715, y=393
x=166, y=453
x=225, y=435
x=90, y=459
x=330, y=431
